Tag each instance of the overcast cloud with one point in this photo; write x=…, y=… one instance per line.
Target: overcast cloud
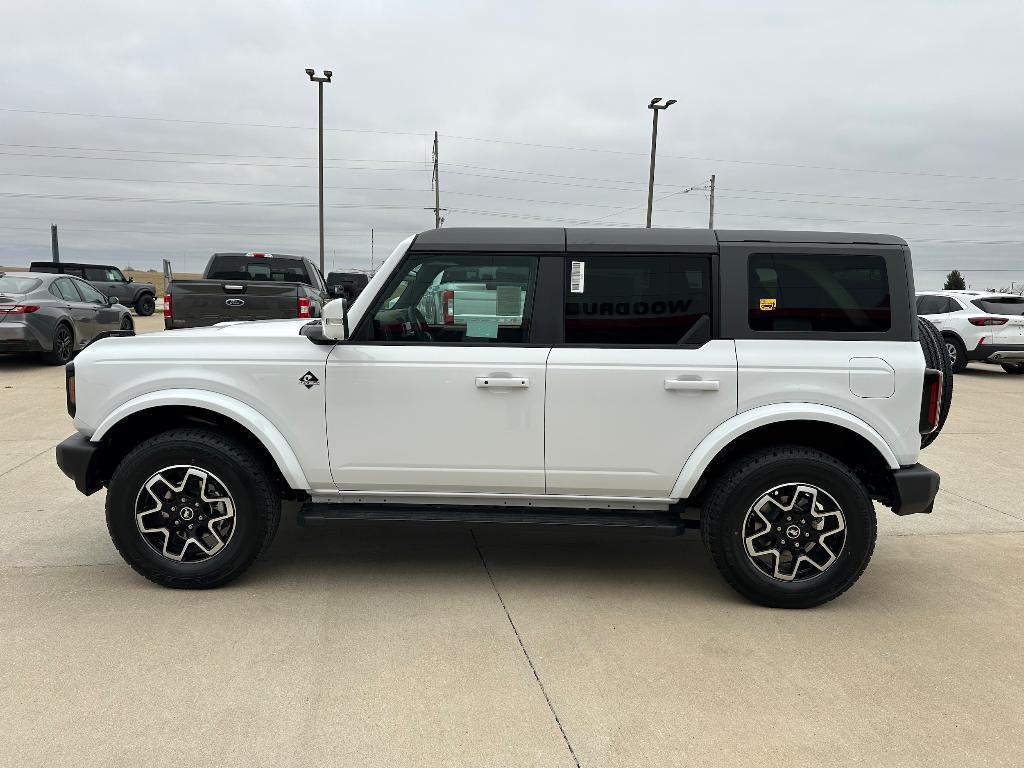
x=929, y=92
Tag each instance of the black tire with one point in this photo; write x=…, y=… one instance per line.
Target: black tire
x=145, y=305
x=63, y=345
x=956, y=352
x=729, y=505
x=1013, y=368
x=127, y=324
x=936, y=357
x=231, y=464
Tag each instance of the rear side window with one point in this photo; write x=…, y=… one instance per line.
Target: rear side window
x=275, y=269
x=637, y=301
x=1001, y=305
x=825, y=294
x=934, y=305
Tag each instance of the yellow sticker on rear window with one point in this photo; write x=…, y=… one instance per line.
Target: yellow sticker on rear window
x=767, y=305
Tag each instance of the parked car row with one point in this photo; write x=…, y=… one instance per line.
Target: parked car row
x=108, y=280
x=977, y=326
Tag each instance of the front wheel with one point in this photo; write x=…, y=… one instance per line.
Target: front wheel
x=191, y=508
x=1014, y=368
x=145, y=305
x=789, y=527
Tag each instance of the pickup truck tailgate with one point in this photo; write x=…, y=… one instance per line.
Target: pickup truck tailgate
x=206, y=302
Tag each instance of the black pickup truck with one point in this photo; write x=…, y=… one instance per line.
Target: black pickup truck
x=245, y=286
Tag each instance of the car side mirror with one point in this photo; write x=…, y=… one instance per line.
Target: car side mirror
x=131, y=279
x=335, y=319
x=112, y=300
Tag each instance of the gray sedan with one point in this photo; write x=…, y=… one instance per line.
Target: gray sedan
x=55, y=315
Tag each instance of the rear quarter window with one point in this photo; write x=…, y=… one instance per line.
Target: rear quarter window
x=826, y=294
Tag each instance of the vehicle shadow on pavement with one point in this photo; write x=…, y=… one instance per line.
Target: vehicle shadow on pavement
x=20, y=361
x=562, y=556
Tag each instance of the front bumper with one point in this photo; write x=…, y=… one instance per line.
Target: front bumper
x=82, y=461
x=916, y=487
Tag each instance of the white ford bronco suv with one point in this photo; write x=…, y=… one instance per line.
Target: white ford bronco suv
x=762, y=387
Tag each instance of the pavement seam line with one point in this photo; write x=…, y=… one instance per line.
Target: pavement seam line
x=522, y=646
x=26, y=461
x=981, y=504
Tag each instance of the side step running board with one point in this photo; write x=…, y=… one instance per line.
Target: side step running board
x=315, y=514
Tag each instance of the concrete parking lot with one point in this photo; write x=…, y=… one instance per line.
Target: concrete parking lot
x=392, y=645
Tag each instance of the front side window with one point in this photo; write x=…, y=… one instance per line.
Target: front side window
x=638, y=300
x=818, y=293
x=462, y=298
x=89, y=293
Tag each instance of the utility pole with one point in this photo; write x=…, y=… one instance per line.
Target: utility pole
x=711, y=205
x=54, y=248
x=326, y=78
x=655, y=107
x=437, y=188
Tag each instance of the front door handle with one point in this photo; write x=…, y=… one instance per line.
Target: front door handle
x=501, y=382
x=691, y=385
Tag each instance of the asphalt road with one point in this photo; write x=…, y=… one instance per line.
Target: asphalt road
x=419, y=646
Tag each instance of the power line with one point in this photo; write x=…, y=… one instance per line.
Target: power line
x=535, y=145
x=204, y=122
x=201, y=162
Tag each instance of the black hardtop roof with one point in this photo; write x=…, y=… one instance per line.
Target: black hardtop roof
x=75, y=264
x=622, y=239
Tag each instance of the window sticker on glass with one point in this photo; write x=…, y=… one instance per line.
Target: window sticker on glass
x=767, y=305
x=482, y=328
x=576, y=276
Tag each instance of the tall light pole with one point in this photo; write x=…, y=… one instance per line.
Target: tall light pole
x=326, y=78
x=654, y=106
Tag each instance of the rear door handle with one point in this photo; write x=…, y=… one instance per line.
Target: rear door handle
x=501, y=382
x=691, y=385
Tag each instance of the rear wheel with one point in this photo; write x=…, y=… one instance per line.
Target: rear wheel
x=956, y=353
x=789, y=527
x=1015, y=368
x=63, y=346
x=145, y=305
x=127, y=324
x=191, y=509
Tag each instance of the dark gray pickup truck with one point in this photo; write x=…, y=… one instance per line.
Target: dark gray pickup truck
x=245, y=286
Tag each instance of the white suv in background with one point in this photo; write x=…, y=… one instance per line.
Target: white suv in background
x=978, y=326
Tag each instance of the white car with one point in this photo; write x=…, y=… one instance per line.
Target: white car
x=977, y=326
x=763, y=387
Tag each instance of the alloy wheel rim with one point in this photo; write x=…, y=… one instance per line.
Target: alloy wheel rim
x=794, y=532
x=126, y=324
x=185, y=513
x=63, y=343
x=951, y=351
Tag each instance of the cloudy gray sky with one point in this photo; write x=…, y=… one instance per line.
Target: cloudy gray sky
x=159, y=130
